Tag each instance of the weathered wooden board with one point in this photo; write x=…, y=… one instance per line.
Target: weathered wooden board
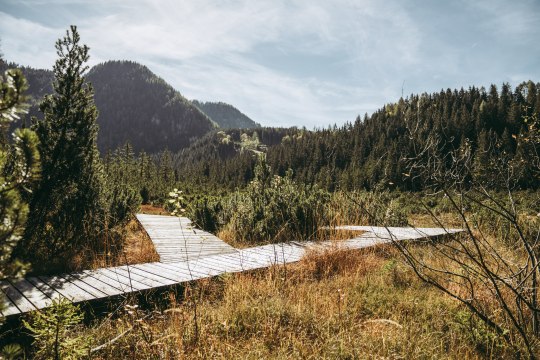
x=173, y=275
x=175, y=240
x=100, y=282
x=70, y=287
x=146, y=277
x=16, y=297
x=32, y=293
x=116, y=277
x=8, y=307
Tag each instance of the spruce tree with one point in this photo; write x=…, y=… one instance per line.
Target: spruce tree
x=67, y=210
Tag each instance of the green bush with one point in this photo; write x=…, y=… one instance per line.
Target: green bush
x=53, y=332
x=275, y=208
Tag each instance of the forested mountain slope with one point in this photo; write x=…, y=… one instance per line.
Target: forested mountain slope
x=134, y=105
x=374, y=150
x=225, y=115
x=137, y=106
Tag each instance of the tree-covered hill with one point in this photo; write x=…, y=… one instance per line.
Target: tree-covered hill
x=226, y=116
x=39, y=84
x=134, y=105
x=374, y=151
x=137, y=106
x=227, y=157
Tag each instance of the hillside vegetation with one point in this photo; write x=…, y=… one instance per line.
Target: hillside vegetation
x=374, y=151
x=225, y=115
x=138, y=107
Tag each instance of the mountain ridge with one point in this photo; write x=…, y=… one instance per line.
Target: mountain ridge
x=135, y=105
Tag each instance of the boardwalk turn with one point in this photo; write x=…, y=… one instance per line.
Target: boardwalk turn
x=186, y=254
x=176, y=240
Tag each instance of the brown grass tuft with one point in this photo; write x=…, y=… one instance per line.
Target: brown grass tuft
x=137, y=249
x=153, y=210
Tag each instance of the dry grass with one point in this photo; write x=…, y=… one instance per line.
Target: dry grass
x=138, y=249
x=334, y=304
x=153, y=210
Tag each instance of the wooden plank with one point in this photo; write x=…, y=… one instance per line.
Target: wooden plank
x=58, y=283
x=32, y=293
x=44, y=287
x=8, y=307
x=175, y=276
x=174, y=241
x=99, y=282
x=145, y=277
x=232, y=260
x=207, y=263
x=264, y=260
x=251, y=262
x=184, y=268
x=116, y=277
x=17, y=298
x=219, y=266
x=204, y=269
x=65, y=286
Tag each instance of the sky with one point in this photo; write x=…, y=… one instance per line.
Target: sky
x=310, y=63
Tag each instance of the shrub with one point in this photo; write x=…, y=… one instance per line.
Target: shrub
x=52, y=329
x=275, y=208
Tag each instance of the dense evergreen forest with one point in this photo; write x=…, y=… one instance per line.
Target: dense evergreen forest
x=375, y=150
x=137, y=106
x=225, y=115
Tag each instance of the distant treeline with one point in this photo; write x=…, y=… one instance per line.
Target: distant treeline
x=373, y=152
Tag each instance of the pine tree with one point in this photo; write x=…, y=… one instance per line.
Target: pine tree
x=67, y=209
x=19, y=167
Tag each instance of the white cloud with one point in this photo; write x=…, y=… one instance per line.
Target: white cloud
x=27, y=42
x=207, y=48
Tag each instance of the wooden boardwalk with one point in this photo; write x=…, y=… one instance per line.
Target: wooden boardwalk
x=176, y=240
x=195, y=260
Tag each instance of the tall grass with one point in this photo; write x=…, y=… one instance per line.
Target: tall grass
x=334, y=304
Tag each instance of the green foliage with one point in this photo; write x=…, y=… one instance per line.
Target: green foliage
x=19, y=167
x=275, y=208
x=205, y=212
x=11, y=352
x=382, y=208
x=225, y=115
x=67, y=209
x=482, y=337
x=54, y=333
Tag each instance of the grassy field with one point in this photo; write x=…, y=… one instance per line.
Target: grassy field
x=336, y=304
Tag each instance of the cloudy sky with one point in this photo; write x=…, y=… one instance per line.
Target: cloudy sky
x=306, y=63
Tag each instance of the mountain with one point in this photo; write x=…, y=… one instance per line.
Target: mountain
x=134, y=105
x=225, y=115
x=137, y=106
